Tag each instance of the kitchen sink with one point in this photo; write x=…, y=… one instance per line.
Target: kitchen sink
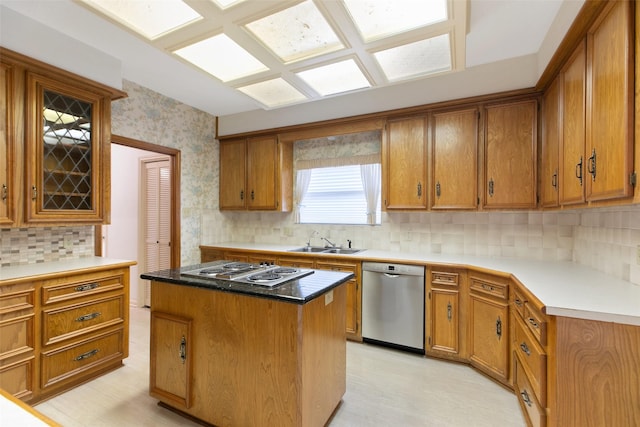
x=322, y=250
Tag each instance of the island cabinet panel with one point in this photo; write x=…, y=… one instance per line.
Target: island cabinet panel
x=446, y=314
x=404, y=167
x=489, y=325
x=610, y=92
x=510, y=151
x=257, y=361
x=17, y=343
x=171, y=359
x=454, y=159
x=256, y=174
x=354, y=302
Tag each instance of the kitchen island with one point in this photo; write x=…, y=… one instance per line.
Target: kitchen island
x=233, y=353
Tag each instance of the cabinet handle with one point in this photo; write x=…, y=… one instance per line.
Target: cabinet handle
x=4, y=191
x=518, y=302
x=87, y=287
x=419, y=190
x=525, y=348
x=592, y=165
x=241, y=194
x=554, y=180
x=579, y=171
x=438, y=189
x=86, y=355
x=499, y=328
x=487, y=287
x=183, y=349
x=252, y=195
x=491, y=187
x=449, y=315
x=34, y=193
x=88, y=317
x=533, y=322
x=525, y=397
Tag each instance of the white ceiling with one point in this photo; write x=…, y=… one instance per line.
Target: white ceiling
x=508, y=45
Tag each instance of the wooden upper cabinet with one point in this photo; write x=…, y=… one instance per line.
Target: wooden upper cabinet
x=610, y=91
x=454, y=159
x=7, y=145
x=572, y=144
x=510, y=155
x=551, y=136
x=404, y=153
x=232, y=174
x=256, y=174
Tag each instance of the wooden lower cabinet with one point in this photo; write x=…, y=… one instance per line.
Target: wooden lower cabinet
x=64, y=330
x=354, y=303
x=489, y=326
x=446, y=298
x=233, y=359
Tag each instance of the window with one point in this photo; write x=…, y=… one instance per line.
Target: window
x=336, y=195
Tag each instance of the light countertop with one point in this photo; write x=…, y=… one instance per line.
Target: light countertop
x=34, y=271
x=565, y=288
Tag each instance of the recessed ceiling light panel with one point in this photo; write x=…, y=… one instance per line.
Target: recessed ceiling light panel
x=222, y=57
x=223, y=4
x=376, y=19
x=150, y=18
x=415, y=59
x=335, y=78
x=296, y=33
x=273, y=93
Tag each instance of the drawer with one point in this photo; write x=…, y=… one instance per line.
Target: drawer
x=67, y=322
x=518, y=301
x=69, y=288
x=14, y=299
x=347, y=268
x=17, y=337
x=533, y=358
x=487, y=287
x=296, y=262
x=73, y=361
x=535, y=414
x=444, y=278
x=17, y=378
x=536, y=322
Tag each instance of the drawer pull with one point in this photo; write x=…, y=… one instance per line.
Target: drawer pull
x=487, y=287
x=518, y=302
x=87, y=287
x=86, y=355
x=525, y=349
x=533, y=322
x=525, y=397
x=88, y=317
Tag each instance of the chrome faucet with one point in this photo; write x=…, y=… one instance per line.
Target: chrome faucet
x=331, y=244
x=313, y=234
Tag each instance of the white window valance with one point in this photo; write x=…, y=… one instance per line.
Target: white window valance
x=365, y=159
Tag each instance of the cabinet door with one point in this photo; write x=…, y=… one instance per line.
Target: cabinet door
x=489, y=337
x=444, y=320
x=232, y=174
x=610, y=110
x=405, y=164
x=454, y=183
x=7, y=141
x=510, y=155
x=551, y=125
x=572, y=159
x=65, y=135
x=171, y=355
x=262, y=169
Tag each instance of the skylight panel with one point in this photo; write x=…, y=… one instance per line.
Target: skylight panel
x=376, y=19
x=419, y=58
x=296, y=33
x=335, y=78
x=273, y=93
x=222, y=57
x=150, y=18
x=224, y=4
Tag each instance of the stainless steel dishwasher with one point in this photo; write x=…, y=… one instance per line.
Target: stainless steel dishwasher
x=393, y=305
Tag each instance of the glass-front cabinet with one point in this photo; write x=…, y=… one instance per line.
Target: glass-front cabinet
x=67, y=140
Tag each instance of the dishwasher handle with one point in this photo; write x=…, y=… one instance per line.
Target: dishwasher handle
x=393, y=276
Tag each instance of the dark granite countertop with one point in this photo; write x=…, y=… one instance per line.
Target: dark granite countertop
x=298, y=291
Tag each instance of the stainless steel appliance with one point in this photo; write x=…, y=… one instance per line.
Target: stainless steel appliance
x=393, y=305
x=263, y=274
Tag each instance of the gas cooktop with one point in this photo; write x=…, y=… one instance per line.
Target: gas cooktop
x=263, y=274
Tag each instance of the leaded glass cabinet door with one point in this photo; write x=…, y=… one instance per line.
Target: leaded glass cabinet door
x=65, y=150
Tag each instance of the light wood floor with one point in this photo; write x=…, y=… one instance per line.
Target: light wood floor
x=384, y=388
